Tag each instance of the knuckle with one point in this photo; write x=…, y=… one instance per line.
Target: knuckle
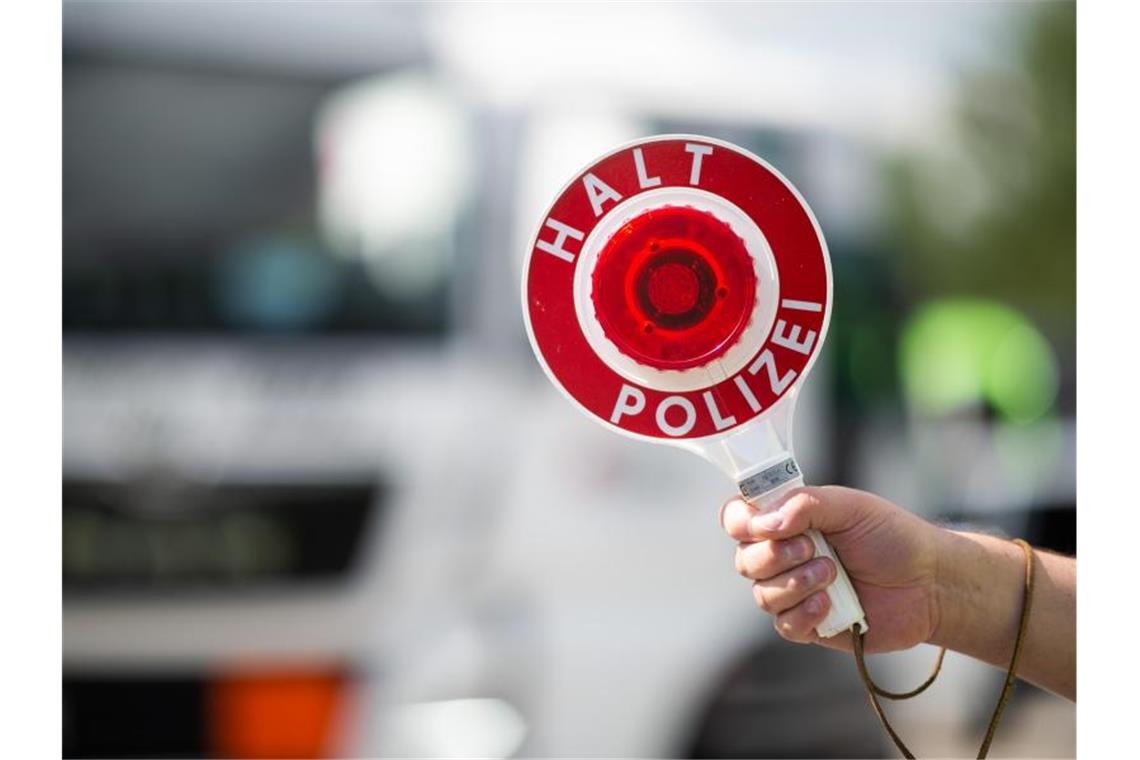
x=738, y=561
x=812, y=495
x=756, y=560
x=751, y=563
x=801, y=504
x=761, y=598
x=734, y=518
x=788, y=630
x=724, y=511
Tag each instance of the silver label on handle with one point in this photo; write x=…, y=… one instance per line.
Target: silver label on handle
x=770, y=478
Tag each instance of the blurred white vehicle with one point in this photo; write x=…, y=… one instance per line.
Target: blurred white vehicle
x=521, y=582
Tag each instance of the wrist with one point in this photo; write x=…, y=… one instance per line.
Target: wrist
x=977, y=589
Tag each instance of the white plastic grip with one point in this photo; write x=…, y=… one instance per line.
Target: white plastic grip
x=845, y=610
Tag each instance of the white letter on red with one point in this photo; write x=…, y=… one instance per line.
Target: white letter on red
x=598, y=192
x=690, y=415
x=766, y=360
x=720, y=423
x=699, y=152
x=630, y=401
x=643, y=178
x=791, y=340
x=557, y=248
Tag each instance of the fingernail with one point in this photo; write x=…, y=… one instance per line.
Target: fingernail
x=765, y=523
x=815, y=573
x=800, y=549
x=814, y=604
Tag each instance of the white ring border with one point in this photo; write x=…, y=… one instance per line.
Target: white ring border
x=759, y=321
x=789, y=392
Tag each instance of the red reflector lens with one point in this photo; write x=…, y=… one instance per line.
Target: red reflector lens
x=674, y=288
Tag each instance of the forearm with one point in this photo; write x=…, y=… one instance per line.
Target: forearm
x=980, y=585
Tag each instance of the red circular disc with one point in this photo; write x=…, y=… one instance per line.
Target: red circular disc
x=675, y=288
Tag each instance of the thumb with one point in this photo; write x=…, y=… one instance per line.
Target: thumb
x=826, y=509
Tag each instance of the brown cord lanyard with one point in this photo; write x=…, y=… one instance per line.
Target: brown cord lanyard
x=874, y=691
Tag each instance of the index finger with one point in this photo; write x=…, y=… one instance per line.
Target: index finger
x=735, y=516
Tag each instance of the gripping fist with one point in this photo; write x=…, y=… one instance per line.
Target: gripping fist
x=890, y=556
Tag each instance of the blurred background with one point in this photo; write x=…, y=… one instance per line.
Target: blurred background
x=319, y=499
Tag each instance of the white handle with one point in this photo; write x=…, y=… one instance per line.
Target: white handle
x=845, y=610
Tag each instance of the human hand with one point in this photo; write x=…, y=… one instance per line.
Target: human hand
x=890, y=556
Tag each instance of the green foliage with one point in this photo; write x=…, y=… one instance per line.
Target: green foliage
x=998, y=218
x=960, y=354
